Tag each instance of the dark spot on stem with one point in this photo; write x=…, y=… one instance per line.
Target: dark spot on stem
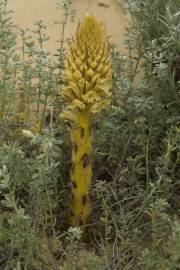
x=74, y=184
x=85, y=160
x=82, y=132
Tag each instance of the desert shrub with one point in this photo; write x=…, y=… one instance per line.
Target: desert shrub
x=140, y=136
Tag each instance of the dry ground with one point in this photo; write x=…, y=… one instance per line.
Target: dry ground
x=109, y=11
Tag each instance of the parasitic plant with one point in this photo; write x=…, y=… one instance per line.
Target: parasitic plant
x=89, y=75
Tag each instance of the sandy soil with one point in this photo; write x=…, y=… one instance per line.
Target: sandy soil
x=109, y=11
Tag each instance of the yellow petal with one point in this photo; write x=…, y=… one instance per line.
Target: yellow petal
x=90, y=73
x=68, y=115
x=77, y=75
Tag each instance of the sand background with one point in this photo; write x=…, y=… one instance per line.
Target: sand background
x=111, y=12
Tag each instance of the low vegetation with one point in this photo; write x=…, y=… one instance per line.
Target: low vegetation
x=134, y=221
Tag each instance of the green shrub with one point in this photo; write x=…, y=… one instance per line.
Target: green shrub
x=135, y=192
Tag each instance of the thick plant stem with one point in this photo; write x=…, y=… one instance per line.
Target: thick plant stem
x=81, y=171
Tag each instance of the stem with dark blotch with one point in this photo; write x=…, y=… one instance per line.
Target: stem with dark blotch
x=81, y=171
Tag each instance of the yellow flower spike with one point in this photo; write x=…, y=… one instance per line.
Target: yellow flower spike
x=89, y=74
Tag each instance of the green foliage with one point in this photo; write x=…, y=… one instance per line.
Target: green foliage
x=135, y=218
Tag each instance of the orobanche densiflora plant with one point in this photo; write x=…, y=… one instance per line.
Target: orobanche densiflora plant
x=89, y=76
